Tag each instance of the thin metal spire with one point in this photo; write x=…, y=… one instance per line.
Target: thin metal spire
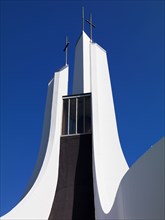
x=66, y=50
x=83, y=18
x=91, y=25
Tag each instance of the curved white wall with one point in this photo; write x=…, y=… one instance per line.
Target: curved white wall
x=142, y=190
x=45, y=137
x=91, y=74
x=38, y=201
x=141, y=194
x=109, y=164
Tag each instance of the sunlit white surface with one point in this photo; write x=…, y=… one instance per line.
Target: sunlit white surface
x=38, y=201
x=81, y=80
x=109, y=162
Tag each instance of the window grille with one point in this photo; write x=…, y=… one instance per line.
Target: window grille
x=76, y=114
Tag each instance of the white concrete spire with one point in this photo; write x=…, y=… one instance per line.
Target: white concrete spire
x=37, y=203
x=91, y=74
x=81, y=80
x=109, y=164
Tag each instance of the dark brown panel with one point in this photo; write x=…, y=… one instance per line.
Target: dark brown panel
x=74, y=195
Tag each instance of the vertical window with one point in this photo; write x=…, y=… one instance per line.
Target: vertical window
x=87, y=114
x=65, y=117
x=80, y=119
x=72, y=121
x=76, y=115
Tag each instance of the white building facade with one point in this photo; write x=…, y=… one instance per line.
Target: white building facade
x=112, y=190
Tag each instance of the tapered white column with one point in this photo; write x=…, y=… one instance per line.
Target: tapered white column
x=38, y=201
x=81, y=80
x=109, y=163
x=91, y=74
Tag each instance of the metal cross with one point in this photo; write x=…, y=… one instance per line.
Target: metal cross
x=66, y=50
x=91, y=25
x=83, y=18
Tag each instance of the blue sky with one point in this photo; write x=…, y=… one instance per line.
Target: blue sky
x=32, y=42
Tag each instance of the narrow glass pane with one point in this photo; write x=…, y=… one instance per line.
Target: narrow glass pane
x=88, y=114
x=65, y=117
x=80, y=124
x=72, y=121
